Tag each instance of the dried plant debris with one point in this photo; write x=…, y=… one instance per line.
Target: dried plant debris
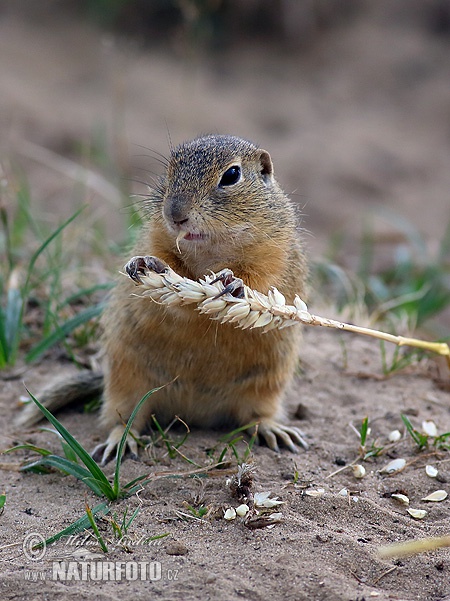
x=241, y=484
x=413, y=547
x=256, y=507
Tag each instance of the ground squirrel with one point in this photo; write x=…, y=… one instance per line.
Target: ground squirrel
x=217, y=206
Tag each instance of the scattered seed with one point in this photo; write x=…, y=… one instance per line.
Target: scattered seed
x=343, y=492
x=417, y=514
x=230, y=514
x=318, y=492
x=242, y=510
x=429, y=428
x=359, y=471
x=262, y=500
x=431, y=471
x=395, y=435
x=436, y=496
x=403, y=499
x=394, y=466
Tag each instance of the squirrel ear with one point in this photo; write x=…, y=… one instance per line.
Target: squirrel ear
x=266, y=164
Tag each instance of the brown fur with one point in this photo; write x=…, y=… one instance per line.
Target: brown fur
x=223, y=375
x=216, y=374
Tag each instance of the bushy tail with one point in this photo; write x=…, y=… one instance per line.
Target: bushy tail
x=81, y=387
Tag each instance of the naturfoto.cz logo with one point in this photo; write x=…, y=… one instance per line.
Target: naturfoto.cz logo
x=106, y=570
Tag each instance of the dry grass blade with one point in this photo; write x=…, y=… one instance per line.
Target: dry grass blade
x=413, y=547
x=254, y=310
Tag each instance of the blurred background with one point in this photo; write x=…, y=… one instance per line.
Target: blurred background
x=350, y=97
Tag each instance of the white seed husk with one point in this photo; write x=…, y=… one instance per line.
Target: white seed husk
x=262, y=499
x=417, y=514
x=394, y=436
x=429, y=428
x=250, y=320
x=276, y=298
x=431, y=471
x=394, y=466
x=315, y=493
x=212, y=305
x=230, y=514
x=436, y=496
x=275, y=517
x=359, y=471
x=300, y=305
x=403, y=499
x=242, y=510
x=262, y=321
x=269, y=503
x=343, y=492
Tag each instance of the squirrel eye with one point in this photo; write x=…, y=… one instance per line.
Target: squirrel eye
x=231, y=176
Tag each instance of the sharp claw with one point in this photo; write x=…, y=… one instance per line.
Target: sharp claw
x=232, y=285
x=271, y=431
x=104, y=452
x=297, y=435
x=98, y=452
x=139, y=265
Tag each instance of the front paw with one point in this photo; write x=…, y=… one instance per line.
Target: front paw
x=272, y=431
x=104, y=452
x=138, y=266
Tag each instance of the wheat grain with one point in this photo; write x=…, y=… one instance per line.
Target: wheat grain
x=253, y=310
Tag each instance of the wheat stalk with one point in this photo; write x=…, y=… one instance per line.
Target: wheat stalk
x=251, y=309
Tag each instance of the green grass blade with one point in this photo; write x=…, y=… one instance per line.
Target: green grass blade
x=94, y=527
x=164, y=438
x=69, y=452
x=79, y=526
x=123, y=440
x=230, y=435
x=60, y=463
x=80, y=294
x=84, y=456
x=28, y=447
x=3, y=343
x=420, y=439
x=364, y=430
x=44, y=245
x=72, y=469
x=81, y=318
x=100, y=488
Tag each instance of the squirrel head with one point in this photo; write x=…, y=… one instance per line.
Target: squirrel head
x=216, y=187
x=219, y=205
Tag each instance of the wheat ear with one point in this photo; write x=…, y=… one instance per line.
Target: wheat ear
x=251, y=309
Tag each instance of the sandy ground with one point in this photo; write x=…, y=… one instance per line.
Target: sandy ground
x=356, y=125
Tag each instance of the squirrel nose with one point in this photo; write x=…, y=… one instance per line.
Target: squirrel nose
x=177, y=210
x=179, y=221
